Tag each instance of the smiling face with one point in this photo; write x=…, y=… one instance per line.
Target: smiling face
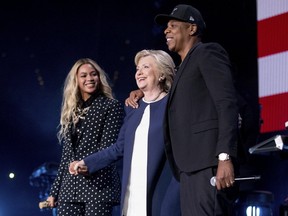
x=88, y=80
x=147, y=75
x=178, y=36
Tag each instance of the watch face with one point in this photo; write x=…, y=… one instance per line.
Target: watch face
x=223, y=156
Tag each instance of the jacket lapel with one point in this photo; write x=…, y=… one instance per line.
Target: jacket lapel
x=180, y=71
x=91, y=110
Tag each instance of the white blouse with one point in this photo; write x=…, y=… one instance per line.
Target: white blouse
x=136, y=192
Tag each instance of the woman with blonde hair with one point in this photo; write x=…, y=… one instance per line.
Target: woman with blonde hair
x=148, y=188
x=90, y=122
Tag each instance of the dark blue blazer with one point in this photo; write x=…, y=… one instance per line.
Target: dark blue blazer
x=124, y=148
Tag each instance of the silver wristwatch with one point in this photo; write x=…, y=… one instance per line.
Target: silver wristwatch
x=223, y=157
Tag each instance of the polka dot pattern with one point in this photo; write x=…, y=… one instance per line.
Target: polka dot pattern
x=87, y=209
x=98, y=131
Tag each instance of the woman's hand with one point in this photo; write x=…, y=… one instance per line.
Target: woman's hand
x=78, y=167
x=51, y=202
x=72, y=167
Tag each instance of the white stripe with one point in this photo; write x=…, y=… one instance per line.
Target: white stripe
x=273, y=74
x=269, y=8
x=135, y=197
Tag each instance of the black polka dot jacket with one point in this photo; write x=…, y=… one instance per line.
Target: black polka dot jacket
x=98, y=130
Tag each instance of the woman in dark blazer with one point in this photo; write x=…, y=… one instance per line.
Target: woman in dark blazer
x=90, y=121
x=141, y=144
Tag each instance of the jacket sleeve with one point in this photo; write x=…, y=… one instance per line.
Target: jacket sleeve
x=216, y=70
x=66, y=154
x=105, y=157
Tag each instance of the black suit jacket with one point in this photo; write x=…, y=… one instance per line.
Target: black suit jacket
x=201, y=113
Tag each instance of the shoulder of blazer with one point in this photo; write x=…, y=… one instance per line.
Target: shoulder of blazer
x=204, y=47
x=195, y=47
x=129, y=111
x=201, y=50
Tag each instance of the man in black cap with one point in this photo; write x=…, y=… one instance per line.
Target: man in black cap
x=201, y=123
x=201, y=116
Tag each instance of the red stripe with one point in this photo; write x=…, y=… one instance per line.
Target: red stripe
x=274, y=112
x=273, y=35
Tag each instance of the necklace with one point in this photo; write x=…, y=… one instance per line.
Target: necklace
x=80, y=114
x=154, y=99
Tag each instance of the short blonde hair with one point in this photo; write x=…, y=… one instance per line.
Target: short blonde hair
x=164, y=63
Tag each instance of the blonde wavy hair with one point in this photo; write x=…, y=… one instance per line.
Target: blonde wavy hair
x=164, y=63
x=72, y=95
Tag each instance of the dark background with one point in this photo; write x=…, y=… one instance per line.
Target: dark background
x=41, y=40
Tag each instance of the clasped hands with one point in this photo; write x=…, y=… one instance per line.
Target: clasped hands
x=78, y=167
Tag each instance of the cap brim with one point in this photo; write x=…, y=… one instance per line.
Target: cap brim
x=162, y=19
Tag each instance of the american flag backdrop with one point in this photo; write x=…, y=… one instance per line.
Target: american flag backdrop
x=272, y=35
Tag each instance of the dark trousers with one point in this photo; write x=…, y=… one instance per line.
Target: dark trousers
x=199, y=198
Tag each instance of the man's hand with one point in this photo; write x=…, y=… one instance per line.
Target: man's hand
x=133, y=98
x=225, y=174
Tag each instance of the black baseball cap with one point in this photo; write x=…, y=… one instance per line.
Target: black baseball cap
x=184, y=13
